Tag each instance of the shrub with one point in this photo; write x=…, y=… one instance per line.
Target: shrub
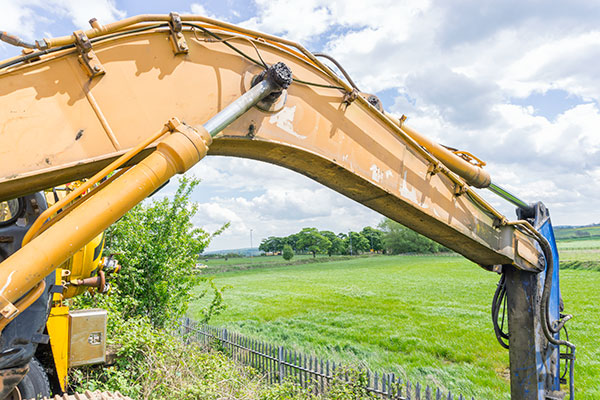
x=288, y=253
x=158, y=247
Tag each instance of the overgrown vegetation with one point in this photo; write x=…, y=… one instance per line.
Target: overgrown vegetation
x=158, y=248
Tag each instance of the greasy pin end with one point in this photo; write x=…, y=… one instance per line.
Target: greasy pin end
x=280, y=74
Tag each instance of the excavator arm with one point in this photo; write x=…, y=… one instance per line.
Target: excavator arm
x=149, y=96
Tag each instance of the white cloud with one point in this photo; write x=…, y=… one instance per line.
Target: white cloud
x=17, y=19
x=199, y=9
x=80, y=12
x=296, y=19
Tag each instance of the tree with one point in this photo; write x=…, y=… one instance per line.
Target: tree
x=158, y=247
x=356, y=243
x=309, y=239
x=399, y=239
x=337, y=244
x=272, y=244
x=292, y=240
x=374, y=236
x=288, y=253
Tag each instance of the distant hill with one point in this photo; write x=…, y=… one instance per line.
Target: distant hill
x=577, y=232
x=246, y=252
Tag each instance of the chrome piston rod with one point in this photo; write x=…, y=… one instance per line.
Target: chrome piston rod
x=276, y=78
x=506, y=195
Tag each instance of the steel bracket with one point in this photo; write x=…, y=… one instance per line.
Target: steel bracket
x=349, y=97
x=177, y=39
x=433, y=169
x=87, y=58
x=27, y=52
x=459, y=189
x=9, y=310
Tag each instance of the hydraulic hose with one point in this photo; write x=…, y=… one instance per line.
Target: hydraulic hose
x=545, y=312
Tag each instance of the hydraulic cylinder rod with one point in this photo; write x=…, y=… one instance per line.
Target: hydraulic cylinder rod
x=473, y=174
x=176, y=154
x=506, y=195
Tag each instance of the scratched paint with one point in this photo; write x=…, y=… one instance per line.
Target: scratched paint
x=410, y=193
x=7, y=283
x=377, y=174
x=284, y=120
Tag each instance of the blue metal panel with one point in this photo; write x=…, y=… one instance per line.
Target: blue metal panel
x=554, y=306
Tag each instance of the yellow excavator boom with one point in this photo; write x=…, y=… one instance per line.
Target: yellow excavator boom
x=132, y=103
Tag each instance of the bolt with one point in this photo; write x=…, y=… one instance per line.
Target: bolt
x=96, y=68
x=179, y=35
x=251, y=130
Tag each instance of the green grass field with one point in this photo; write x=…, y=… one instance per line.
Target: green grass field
x=426, y=318
x=580, y=254
x=254, y=260
x=580, y=232
x=218, y=265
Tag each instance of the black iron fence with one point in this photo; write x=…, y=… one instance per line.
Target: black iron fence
x=279, y=364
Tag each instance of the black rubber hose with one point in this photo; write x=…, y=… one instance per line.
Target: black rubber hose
x=545, y=312
x=499, y=295
x=337, y=64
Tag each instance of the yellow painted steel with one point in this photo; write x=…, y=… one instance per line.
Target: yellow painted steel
x=43, y=254
x=84, y=264
x=58, y=330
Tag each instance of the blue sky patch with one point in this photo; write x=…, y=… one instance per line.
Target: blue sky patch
x=550, y=104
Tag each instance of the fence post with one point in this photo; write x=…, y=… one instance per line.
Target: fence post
x=280, y=363
x=187, y=330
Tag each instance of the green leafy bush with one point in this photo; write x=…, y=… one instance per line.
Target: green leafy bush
x=287, y=253
x=158, y=247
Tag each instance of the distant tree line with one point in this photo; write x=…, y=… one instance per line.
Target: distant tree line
x=389, y=237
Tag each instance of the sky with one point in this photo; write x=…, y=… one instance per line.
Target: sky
x=514, y=82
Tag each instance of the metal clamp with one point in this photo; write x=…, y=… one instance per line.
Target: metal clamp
x=349, y=97
x=87, y=57
x=433, y=169
x=459, y=189
x=177, y=39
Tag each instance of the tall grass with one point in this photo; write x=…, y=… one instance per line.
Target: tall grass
x=425, y=318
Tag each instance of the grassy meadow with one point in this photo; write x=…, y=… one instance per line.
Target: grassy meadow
x=426, y=318
x=218, y=265
x=580, y=254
